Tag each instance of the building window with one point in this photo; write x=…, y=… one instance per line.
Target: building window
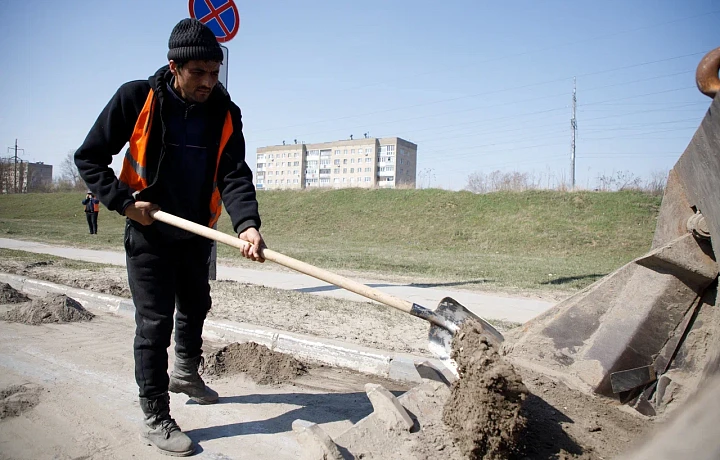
x=337, y=152
x=345, y=161
x=344, y=170
x=352, y=160
x=295, y=155
x=352, y=170
x=368, y=160
x=367, y=169
x=261, y=157
x=368, y=150
x=270, y=156
x=344, y=180
x=337, y=162
x=352, y=151
x=345, y=152
x=295, y=181
x=336, y=171
x=367, y=179
x=336, y=180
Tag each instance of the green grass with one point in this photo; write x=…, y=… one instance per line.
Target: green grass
x=531, y=240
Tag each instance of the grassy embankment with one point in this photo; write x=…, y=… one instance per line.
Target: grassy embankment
x=530, y=240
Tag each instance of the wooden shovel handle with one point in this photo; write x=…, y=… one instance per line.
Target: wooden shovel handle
x=286, y=261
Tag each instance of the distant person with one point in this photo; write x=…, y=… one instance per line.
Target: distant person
x=92, y=208
x=187, y=152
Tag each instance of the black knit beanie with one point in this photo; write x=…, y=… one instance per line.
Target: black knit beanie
x=192, y=40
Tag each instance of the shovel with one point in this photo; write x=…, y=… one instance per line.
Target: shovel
x=444, y=321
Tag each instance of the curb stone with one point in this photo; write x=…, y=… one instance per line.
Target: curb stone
x=335, y=353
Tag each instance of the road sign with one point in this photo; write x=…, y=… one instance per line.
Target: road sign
x=221, y=16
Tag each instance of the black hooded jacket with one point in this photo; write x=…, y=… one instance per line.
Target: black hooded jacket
x=169, y=185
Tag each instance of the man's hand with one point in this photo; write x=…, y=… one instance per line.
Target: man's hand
x=253, y=252
x=140, y=212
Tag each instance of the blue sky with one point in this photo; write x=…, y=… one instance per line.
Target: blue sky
x=479, y=86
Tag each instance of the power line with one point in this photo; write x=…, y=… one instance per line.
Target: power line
x=502, y=104
x=551, y=47
x=485, y=93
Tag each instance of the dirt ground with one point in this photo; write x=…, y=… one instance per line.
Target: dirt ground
x=362, y=323
x=258, y=362
x=561, y=423
x=50, y=309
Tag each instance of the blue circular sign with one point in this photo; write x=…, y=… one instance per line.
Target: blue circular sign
x=221, y=16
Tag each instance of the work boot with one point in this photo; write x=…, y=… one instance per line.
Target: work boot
x=161, y=431
x=185, y=378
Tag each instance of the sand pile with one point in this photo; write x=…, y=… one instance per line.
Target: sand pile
x=16, y=399
x=9, y=294
x=51, y=309
x=263, y=365
x=483, y=411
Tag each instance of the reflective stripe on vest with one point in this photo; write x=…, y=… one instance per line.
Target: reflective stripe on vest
x=134, y=168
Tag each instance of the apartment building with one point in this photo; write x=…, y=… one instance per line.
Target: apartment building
x=369, y=162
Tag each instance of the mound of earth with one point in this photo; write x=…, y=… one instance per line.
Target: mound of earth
x=50, y=309
x=260, y=363
x=484, y=408
x=9, y=294
x=16, y=399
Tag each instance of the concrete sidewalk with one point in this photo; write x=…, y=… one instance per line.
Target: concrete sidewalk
x=484, y=305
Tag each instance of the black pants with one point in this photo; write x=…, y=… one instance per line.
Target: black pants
x=164, y=274
x=92, y=221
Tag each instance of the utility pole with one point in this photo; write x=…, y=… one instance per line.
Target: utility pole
x=15, y=181
x=573, y=126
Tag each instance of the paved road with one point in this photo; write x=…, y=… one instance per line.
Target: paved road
x=485, y=305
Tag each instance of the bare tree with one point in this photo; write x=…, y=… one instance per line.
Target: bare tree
x=656, y=184
x=502, y=181
x=426, y=177
x=69, y=174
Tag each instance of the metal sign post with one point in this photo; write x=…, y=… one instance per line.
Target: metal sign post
x=223, y=18
x=224, y=66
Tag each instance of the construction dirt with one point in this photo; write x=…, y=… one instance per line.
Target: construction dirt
x=17, y=399
x=541, y=417
x=362, y=323
x=258, y=362
x=8, y=294
x=50, y=309
x=484, y=406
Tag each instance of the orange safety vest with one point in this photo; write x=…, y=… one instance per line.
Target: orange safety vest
x=134, y=168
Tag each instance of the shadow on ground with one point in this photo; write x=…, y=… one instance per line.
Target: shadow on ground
x=316, y=408
x=570, y=279
x=381, y=285
x=544, y=437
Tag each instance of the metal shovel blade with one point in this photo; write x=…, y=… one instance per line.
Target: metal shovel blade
x=440, y=338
